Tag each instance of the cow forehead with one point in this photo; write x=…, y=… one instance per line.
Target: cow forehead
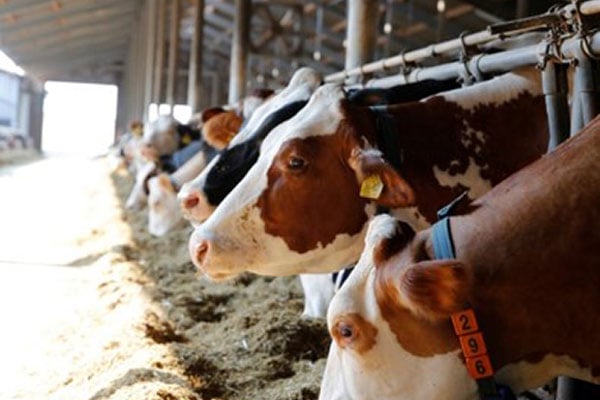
x=321, y=116
x=298, y=89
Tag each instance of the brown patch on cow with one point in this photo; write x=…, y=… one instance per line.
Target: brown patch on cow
x=436, y=289
x=430, y=133
x=211, y=112
x=417, y=335
x=388, y=247
x=354, y=332
x=533, y=247
x=220, y=129
x=165, y=183
x=310, y=204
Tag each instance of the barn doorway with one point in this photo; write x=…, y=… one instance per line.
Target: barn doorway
x=79, y=118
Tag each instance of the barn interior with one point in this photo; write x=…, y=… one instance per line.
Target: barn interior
x=98, y=307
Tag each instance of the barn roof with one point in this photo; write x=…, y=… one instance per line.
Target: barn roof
x=89, y=40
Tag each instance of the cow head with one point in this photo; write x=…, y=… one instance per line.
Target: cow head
x=299, y=209
x=161, y=135
x=220, y=127
x=164, y=213
x=390, y=322
x=199, y=198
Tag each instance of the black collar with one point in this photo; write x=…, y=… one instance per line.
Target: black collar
x=387, y=136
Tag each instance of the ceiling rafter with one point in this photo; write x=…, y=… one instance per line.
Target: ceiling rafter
x=62, y=37
x=58, y=28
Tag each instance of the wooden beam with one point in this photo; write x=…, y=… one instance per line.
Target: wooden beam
x=148, y=72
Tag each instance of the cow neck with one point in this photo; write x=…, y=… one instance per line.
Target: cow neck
x=386, y=135
x=466, y=327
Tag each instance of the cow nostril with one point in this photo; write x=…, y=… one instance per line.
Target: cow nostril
x=200, y=252
x=191, y=201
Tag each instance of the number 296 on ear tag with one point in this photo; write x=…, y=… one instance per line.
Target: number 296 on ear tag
x=371, y=187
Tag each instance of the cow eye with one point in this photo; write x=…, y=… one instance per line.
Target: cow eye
x=221, y=168
x=346, y=331
x=296, y=163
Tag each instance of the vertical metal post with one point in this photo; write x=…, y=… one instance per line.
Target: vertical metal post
x=194, y=89
x=140, y=65
x=173, y=54
x=554, y=83
x=584, y=91
x=522, y=8
x=239, y=50
x=361, y=32
x=159, y=62
x=150, y=44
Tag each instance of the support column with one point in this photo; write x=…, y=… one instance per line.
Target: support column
x=150, y=45
x=173, y=54
x=554, y=82
x=194, y=90
x=361, y=32
x=159, y=62
x=239, y=50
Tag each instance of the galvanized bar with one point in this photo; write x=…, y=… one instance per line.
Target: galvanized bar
x=554, y=84
x=453, y=45
x=194, y=90
x=239, y=51
x=361, y=32
x=150, y=45
x=159, y=57
x=173, y=53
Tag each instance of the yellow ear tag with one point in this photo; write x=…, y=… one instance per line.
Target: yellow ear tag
x=186, y=139
x=371, y=187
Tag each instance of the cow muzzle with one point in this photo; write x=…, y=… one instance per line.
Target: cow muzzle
x=194, y=205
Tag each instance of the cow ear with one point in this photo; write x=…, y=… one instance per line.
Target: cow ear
x=165, y=182
x=435, y=289
x=379, y=180
x=218, y=132
x=211, y=112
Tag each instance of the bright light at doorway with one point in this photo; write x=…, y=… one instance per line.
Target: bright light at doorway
x=7, y=64
x=79, y=118
x=181, y=112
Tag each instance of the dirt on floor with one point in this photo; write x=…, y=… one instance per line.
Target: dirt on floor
x=152, y=328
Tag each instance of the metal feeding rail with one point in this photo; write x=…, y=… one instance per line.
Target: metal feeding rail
x=553, y=19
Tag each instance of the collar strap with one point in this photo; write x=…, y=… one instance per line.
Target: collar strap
x=465, y=323
x=387, y=136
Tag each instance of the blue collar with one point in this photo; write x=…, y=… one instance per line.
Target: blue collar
x=479, y=365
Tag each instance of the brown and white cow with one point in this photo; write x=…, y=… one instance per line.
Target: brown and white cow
x=528, y=264
x=298, y=209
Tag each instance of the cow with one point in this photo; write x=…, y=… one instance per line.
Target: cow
x=163, y=208
x=199, y=197
x=221, y=127
x=299, y=208
x=526, y=262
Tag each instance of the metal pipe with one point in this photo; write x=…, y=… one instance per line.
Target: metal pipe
x=159, y=63
x=173, y=54
x=150, y=44
x=361, y=32
x=554, y=84
x=583, y=51
x=239, y=50
x=590, y=7
x=454, y=45
x=194, y=90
